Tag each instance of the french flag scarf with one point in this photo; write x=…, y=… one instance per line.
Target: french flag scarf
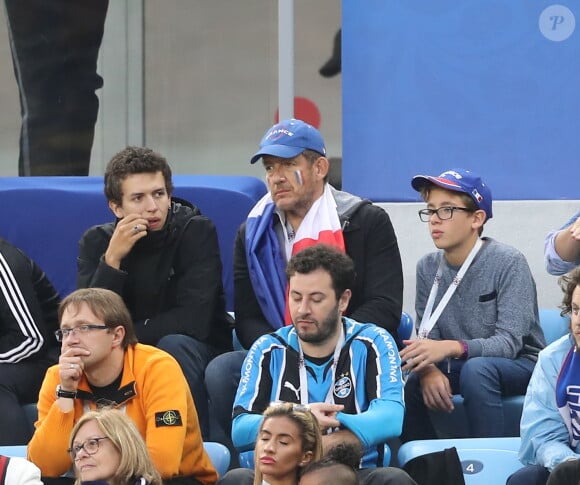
x=568, y=395
x=266, y=261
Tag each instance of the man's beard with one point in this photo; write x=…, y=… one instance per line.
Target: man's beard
x=326, y=328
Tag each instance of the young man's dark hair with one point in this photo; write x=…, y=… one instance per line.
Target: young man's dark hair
x=130, y=161
x=338, y=265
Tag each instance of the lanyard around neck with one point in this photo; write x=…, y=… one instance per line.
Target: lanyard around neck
x=430, y=317
x=302, y=370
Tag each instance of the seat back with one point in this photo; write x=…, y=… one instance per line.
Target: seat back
x=484, y=461
x=405, y=328
x=80, y=204
x=14, y=451
x=219, y=456
x=553, y=324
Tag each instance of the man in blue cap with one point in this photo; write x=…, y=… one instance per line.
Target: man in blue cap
x=302, y=209
x=479, y=332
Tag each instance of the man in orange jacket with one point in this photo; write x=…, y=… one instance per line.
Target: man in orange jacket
x=101, y=364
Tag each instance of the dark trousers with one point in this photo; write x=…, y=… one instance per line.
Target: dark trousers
x=222, y=377
x=193, y=356
x=19, y=384
x=529, y=475
x=55, y=46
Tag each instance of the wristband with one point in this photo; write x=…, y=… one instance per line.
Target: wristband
x=465, y=348
x=66, y=394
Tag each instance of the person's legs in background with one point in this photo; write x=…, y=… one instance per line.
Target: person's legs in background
x=222, y=377
x=55, y=46
x=193, y=357
x=529, y=475
x=19, y=384
x=417, y=422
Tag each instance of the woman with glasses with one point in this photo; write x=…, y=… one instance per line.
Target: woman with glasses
x=107, y=449
x=288, y=439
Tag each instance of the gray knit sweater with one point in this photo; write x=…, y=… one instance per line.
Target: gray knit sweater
x=495, y=307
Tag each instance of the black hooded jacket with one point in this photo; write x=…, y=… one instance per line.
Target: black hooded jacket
x=171, y=281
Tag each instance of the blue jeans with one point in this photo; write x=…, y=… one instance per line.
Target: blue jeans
x=482, y=381
x=529, y=475
x=222, y=377
x=193, y=357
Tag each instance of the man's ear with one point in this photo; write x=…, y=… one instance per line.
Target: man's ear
x=344, y=300
x=116, y=209
x=118, y=336
x=322, y=167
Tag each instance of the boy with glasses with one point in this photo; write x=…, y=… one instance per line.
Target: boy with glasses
x=479, y=333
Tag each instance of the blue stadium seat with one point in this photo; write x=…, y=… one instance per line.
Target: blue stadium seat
x=219, y=456
x=553, y=324
x=485, y=461
x=18, y=451
x=454, y=424
x=405, y=328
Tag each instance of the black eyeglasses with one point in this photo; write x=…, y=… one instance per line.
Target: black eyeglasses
x=65, y=332
x=443, y=213
x=91, y=446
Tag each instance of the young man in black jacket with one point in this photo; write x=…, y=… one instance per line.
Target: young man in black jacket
x=28, y=319
x=162, y=256
x=302, y=208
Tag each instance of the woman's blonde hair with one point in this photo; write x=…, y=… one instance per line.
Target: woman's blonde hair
x=307, y=424
x=123, y=434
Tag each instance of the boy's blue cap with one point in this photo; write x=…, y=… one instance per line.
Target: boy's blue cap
x=459, y=180
x=288, y=139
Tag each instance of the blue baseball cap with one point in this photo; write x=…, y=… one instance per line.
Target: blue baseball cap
x=459, y=180
x=288, y=139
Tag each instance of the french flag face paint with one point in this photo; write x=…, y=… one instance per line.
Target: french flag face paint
x=298, y=176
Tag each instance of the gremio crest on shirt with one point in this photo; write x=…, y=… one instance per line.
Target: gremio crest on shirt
x=342, y=387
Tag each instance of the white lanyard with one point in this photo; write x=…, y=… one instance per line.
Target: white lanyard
x=302, y=370
x=430, y=317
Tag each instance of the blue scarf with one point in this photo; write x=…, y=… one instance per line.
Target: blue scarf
x=568, y=395
x=266, y=263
